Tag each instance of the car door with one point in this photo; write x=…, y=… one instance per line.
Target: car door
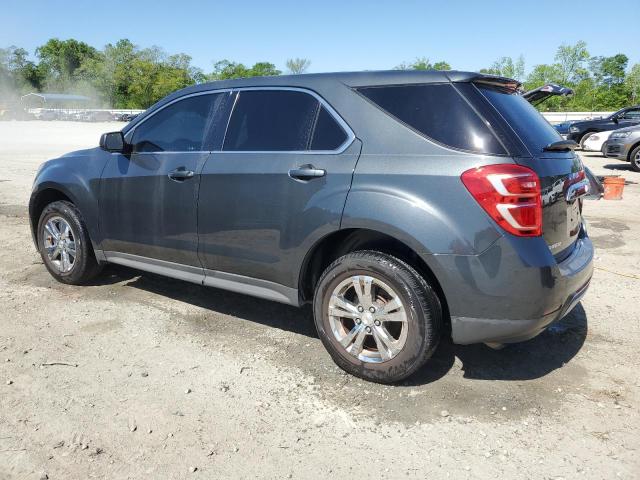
x=279, y=183
x=148, y=200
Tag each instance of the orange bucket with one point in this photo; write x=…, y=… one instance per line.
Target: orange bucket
x=613, y=187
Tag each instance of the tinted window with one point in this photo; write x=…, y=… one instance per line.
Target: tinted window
x=181, y=127
x=534, y=131
x=328, y=135
x=437, y=111
x=631, y=115
x=271, y=120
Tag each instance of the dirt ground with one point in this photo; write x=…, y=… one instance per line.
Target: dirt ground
x=173, y=377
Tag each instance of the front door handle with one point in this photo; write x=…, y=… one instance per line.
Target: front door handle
x=181, y=174
x=306, y=172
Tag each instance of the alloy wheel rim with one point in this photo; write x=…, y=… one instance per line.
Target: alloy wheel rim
x=60, y=244
x=636, y=160
x=368, y=318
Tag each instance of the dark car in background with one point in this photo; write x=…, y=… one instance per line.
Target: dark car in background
x=348, y=191
x=563, y=127
x=625, y=117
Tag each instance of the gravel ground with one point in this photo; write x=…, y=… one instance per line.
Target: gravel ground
x=139, y=376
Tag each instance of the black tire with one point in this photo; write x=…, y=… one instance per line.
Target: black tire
x=634, y=159
x=420, y=303
x=84, y=267
x=603, y=148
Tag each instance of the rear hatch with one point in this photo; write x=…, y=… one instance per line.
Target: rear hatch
x=541, y=148
x=541, y=94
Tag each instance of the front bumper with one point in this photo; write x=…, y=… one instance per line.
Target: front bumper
x=503, y=296
x=617, y=148
x=574, y=136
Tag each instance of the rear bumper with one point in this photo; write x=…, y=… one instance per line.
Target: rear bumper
x=513, y=290
x=465, y=330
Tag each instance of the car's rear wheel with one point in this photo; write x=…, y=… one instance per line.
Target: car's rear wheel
x=634, y=157
x=378, y=318
x=64, y=244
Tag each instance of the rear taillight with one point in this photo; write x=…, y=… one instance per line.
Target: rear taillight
x=510, y=194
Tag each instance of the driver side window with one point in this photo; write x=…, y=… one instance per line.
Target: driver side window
x=183, y=126
x=631, y=115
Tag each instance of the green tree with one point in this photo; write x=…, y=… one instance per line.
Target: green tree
x=298, y=65
x=423, y=63
x=572, y=60
x=226, y=69
x=507, y=67
x=60, y=60
x=632, y=81
x=441, y=65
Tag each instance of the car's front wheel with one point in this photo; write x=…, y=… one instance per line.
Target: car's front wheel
x=64, y=244
x=584, y=139
x=378, y=318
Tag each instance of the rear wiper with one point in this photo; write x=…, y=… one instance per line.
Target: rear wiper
x=561, y=145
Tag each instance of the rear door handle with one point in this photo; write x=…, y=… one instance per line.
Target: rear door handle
x=180, y=174
x=306, y=172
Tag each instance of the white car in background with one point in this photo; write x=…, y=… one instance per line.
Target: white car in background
x=595, y=142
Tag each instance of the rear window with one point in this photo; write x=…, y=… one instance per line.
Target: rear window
x=534, y=131
x=439, y=112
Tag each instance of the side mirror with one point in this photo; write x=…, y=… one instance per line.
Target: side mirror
x=615, y=119
x=113, y=142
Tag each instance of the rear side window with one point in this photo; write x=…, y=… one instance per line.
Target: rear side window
x=183, y=126
x=271, y=120
x=534, y=131
x=438, y=112
x=327, y=135
x=281, y=120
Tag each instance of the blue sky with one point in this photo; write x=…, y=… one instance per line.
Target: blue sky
x=335, y=35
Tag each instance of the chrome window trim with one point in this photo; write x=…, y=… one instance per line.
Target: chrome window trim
x=334, y=114
x=128, y=136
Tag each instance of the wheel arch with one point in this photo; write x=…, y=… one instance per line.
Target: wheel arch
x=344, y=241
x=46, y=194
x=631, y=149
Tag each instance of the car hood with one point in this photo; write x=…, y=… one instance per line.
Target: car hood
x=81, y=153
x=593, y=121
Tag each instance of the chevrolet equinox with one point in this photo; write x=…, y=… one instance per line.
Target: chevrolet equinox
x=403, y=205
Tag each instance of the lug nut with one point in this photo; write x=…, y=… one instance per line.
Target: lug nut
x=368, y=329
x=360, y=308
x=358, y=321
x=372, y=309
x=376, y=323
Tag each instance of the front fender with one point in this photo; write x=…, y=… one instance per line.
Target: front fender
x=76, y=176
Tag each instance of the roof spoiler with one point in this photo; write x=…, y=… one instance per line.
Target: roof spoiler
x=504, y=83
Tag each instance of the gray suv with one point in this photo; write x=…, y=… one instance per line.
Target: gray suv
x=624, y=144
x=403, y=205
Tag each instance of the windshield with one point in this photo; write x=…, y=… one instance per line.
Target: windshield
x=534, y=131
